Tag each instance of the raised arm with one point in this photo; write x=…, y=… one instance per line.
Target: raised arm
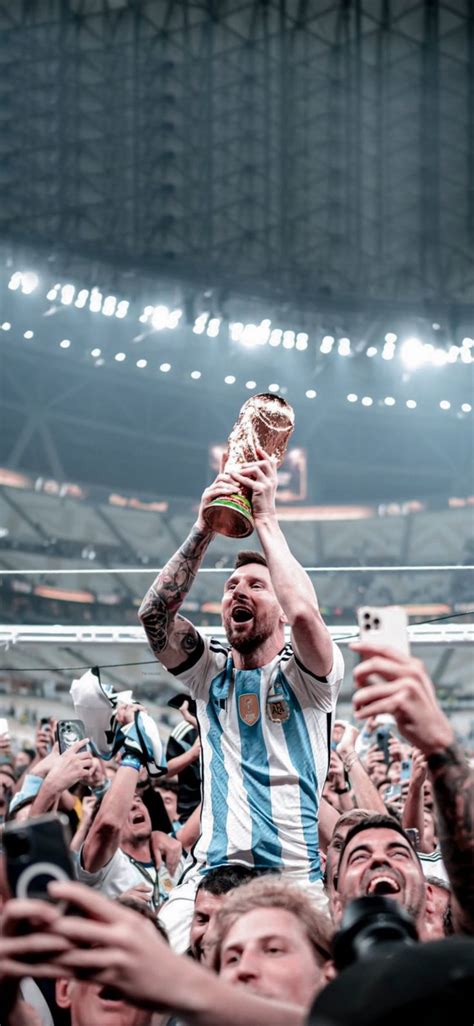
x=293, y=588
x=103, y=838
x=172, y=638
x=405, y=690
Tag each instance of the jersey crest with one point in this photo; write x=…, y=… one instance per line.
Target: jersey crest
x=278, y=709
x=249, y=708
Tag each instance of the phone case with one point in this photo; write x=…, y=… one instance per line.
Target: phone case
x=68, y=732
x=385, y=625
x=36, y=853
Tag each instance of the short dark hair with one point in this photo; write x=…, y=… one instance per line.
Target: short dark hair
x=226, y=878
x=246, y=556
x=143, y=910
x=379, y=821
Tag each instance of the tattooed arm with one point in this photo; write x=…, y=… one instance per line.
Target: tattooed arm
x=389, y=682
x=453, y=787
x=172, y=638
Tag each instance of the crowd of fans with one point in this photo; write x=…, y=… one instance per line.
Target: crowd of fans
x=274, y=866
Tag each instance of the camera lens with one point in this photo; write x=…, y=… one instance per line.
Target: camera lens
x=16, y=844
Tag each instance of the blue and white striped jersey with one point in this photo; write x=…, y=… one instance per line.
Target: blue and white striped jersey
x=265, y=738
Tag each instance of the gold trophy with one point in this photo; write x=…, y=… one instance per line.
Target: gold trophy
x=267, y=421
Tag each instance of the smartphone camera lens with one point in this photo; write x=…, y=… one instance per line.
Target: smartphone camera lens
x=18, y=845
x=376, y=622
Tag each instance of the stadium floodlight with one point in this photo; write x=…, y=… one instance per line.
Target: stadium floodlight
x=15, y=281
x=326, y=344
x=236, y=329
x=142, y=363
x=82, y=297
x=275, y=337
x=302, y=340
x=466, y=407
x=445, y=404
x=122, y=308
x=145, y=316
x=274, y=387
x=200, y=323
x=120, y=357
x=29, y=282
x=109, y=305
x=95, y=352
x=389, y=400
x=352, y=398
x=311, y=393
x=250, y=384
x=28, y=334
x=174, y=318
x=65, y=343
x=411, y=403
x=67, y=294
x=371, y=351
x=288, y=340
x=366, y=400
x=466, y=355
x=255, y=334
x=213, y=327
x=6, y=326
x=440, y=357
x=52, y=293
x=95, y=301
x=196, y=375
x=388, y=351
x=453, y=353
x=159, y=317
x=412, y=353
x=165, y=367
x=391, y=337
x=229, y=379
x=344, y=347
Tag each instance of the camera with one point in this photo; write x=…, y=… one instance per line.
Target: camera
x=385, y=977
x=367, y=923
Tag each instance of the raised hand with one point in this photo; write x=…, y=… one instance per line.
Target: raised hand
x=260, y=478
x=403, y=689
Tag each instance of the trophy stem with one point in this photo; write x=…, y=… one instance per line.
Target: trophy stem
x=230, y=515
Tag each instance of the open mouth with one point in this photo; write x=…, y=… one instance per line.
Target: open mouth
x=240, y=614
x=109, y=994
x=139, y=818
x=385, y=885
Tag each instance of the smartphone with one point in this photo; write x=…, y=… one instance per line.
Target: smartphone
x=36, y=852
x=68, y=732
x=3, y=726
x=382, y=738
x=414, y=836
x=45, y=721
x=405, y=772
x=384, y=625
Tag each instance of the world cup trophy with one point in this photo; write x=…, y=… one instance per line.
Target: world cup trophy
x=265, y=421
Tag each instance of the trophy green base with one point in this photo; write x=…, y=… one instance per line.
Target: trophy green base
x=230, y=515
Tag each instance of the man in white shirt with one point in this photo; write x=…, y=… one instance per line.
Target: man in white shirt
x=264, y=708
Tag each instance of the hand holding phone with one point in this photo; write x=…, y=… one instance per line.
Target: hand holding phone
x=70, y=731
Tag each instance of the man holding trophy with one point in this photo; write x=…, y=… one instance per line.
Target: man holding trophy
x=264, y=707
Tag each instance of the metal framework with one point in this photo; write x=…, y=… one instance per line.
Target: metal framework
x=296, y=146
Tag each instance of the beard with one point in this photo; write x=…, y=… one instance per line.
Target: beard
x=252, y=639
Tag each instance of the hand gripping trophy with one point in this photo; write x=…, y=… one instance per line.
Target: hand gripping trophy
x=266, y=421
